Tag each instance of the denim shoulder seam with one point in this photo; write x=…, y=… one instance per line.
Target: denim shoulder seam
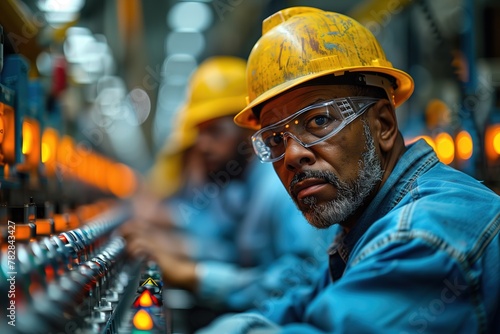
x=437, y=243
x=489, y=233
x=409, y=187
x=404, y=223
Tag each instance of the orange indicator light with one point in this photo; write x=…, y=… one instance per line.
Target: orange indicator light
x=464, y=145
x=492, y=142
x=445, y=148
x=142, y=320
x=146, y=299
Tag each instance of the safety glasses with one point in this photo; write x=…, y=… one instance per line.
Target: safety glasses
x=309, y=126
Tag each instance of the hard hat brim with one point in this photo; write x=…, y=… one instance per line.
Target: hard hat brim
x=212, y=109
x=247, y=119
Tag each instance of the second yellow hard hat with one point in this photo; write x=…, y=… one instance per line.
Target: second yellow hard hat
x=217, y=88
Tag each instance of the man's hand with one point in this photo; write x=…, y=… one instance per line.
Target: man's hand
x=163, y=248
x=150, y=209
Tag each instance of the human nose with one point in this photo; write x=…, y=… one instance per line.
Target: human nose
x=296, y=155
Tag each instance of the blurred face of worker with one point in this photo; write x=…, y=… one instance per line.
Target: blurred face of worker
x=220, y=141
x=331, y=181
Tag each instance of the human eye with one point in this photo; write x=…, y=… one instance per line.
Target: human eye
x=318, y=120
x=321, y=121
x=273, y=139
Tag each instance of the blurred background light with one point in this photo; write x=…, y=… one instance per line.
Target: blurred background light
x=464, y=145
x=191, y=16
x=77, y=41
x=445, y=148
x=60, y=11
x=492, y=142
x=185, y=42
x=138, y=105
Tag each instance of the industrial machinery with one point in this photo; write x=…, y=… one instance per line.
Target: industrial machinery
x=76, y=281
x=63, y=267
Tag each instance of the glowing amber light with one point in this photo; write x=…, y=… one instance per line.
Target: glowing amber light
x=61, y=222
x=67, y=158
x=464, y=145
x=445, y=148
x=46, y=153
x=44, y=227
x=82, y=168
x=142, y=320
x=145, y=300
x=74, y=221
x=492, y=142
x=25, y=232
x=50, y=139
x=8, y=135
x=28, y=137
x=49, y=145
x=496, y=143
x=31, y=145
x=121, y=180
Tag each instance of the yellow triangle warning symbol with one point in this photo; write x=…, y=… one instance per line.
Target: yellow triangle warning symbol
x=149, y=281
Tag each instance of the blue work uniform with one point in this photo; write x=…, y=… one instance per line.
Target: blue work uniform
x=423, y=258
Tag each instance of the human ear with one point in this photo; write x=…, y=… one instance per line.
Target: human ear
x=386, y=124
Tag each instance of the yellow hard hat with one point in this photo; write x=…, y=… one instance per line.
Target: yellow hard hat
x=165, y=176
x=216, y=89
x=182, y=137
x=299, y=44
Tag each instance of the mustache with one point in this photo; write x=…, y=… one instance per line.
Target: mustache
x=327, y=176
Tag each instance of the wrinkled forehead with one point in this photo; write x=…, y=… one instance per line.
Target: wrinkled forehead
x=288, y=103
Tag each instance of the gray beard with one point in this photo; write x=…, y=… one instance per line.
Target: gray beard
x=351, y=196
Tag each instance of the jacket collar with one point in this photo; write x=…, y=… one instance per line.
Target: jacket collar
x=417, y=159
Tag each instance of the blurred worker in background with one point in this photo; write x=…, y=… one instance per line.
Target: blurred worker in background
x=178, y=166
x=177, y=169
x=237, y=239
x=418, y=246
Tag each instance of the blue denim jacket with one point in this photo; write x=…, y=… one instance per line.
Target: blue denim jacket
x=423, y=258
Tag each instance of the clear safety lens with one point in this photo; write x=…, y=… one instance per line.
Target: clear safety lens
x=309, y=126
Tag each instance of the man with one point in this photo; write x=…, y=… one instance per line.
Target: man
x=418, y=247
x=244, y=240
